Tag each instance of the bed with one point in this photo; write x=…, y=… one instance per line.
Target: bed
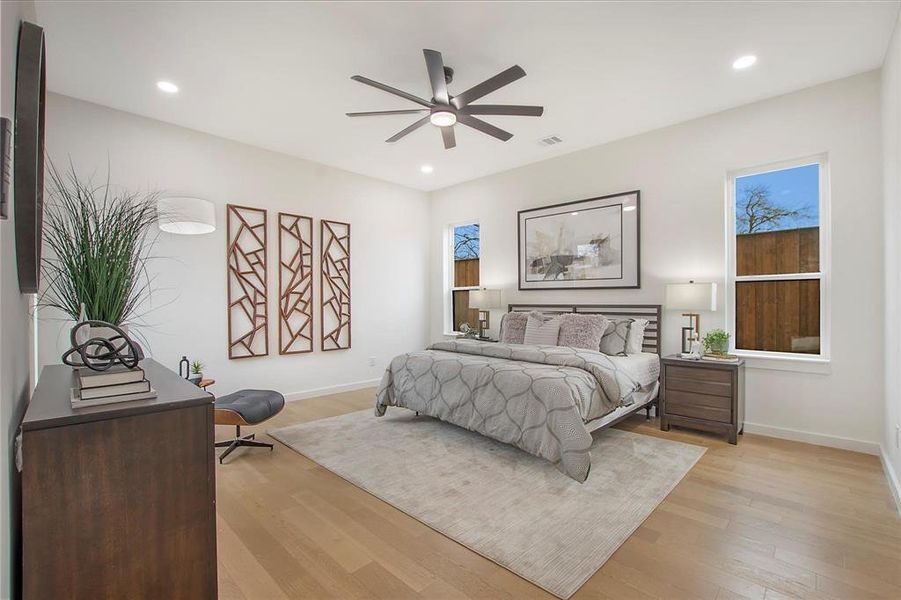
x=546, y=400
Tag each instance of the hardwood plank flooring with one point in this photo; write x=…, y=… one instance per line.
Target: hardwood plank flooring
x=766, y=519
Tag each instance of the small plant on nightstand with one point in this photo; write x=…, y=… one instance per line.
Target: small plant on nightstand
x=716, y=342
x=196, y=372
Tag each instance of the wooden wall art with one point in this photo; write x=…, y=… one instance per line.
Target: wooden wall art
x=29, y=155
x=334, y=239
x=295, y=284
x=248, y=314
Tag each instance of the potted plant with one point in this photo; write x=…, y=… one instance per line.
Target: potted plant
x=716, y=342
x=98, y=239
x=196, y=372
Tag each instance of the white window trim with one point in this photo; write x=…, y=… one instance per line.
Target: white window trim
x=816, y=363
x=449, y=287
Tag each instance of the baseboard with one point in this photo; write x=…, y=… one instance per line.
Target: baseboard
x=332, y=389
x=817, y=439
x=892, y=478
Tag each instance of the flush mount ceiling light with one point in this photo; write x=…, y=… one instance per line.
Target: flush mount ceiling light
x=167, y=86
x=426, y=168
x=743, y=62
x=186, y=216
x=446, y=110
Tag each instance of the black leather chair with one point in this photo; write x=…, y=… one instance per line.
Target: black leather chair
x=246, y=407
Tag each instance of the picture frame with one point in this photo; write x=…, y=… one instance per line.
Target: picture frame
x=593, y=243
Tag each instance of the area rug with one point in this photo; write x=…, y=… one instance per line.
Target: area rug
x=507, y=505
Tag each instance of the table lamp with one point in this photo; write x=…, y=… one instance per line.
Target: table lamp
x=484, y=300
x=691, y=297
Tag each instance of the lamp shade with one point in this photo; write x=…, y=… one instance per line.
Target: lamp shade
x=691, y=296
x=485, y=299
x=186, y=216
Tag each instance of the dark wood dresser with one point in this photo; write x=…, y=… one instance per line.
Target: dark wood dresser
x=703, y=394
x=118, y=501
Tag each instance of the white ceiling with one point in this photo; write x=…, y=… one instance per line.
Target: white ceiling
x=277, y=75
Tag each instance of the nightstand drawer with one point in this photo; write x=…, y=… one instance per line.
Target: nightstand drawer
x=698, y=385
x=699, y=373
x=698, y=406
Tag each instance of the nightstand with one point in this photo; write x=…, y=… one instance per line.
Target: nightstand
x=703, y=394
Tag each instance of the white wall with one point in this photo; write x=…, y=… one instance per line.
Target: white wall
x=15, y=339
x=388, y=254
x=681, y=172
x=891, y=144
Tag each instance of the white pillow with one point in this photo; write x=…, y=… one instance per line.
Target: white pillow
x=540, y=331
x=635, y=336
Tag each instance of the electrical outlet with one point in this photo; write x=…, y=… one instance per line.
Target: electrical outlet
x=371, y=361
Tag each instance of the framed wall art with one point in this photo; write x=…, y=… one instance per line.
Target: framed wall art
x=295, y=284
x=248, y=312
x=586, y=244
x=334, y=265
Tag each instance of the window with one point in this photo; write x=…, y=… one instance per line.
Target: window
x=464, y=273
x=778, y=259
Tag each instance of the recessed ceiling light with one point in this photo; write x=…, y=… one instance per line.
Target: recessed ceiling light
x=167, y=86
x=426, y=168
x=443, y=118
x=573, y=214
x=628, y=208
x=743, y=62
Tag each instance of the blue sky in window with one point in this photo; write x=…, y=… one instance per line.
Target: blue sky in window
x=466, y=241
x=785, y=199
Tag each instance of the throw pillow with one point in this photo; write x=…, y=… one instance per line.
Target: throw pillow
x=614, y=341
x=540, y=331
x=635, y=337
x=513, y=327
x=582, y=331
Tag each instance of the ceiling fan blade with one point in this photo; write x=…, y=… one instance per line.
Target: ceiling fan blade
x=489, y=85
x=373, y=113
x=391, y=90
x=447, y=134
x=435, y=64
x=484, y=127
x=504, y=109
x=409, y=129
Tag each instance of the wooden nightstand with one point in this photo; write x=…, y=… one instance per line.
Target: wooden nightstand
x=703, y=395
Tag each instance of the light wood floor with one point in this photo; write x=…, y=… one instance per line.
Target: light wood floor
x=764, y=519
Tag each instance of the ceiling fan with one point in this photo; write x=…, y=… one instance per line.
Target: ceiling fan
x=444, y=110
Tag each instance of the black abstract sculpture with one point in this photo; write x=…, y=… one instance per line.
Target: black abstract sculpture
x=101, y=353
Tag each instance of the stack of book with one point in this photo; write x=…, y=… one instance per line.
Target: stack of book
x=728, y=358
x=118, y=384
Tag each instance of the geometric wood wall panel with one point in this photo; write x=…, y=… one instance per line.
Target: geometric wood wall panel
x=334, y=239
x=295, y=284
x=248, y=314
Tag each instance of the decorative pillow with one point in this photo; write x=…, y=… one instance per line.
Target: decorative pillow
x=614, y=340
x=540, y=331
x=582, y=331
x=635, y=337
x=513, y=327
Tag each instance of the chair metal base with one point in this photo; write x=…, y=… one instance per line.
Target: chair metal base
x=247, y=440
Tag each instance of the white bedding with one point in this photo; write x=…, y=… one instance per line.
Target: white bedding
x=643, y=367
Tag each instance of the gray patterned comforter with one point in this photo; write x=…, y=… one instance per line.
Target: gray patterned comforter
x=537, y=398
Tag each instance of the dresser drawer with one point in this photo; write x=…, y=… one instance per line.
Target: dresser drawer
x=699, y=374
x=698, y=385
x=698, y=406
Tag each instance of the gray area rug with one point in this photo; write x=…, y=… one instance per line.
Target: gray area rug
x=507, y=505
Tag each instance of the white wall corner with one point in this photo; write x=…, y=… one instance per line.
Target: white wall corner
x=891, y=477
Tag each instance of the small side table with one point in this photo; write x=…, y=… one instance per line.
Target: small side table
x=703, y=394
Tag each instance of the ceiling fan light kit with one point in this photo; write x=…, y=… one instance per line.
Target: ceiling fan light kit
x=445, y=110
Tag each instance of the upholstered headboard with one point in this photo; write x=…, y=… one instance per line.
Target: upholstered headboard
x=651, y=312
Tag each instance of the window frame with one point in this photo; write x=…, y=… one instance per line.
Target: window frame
x=449, y=287
x=824, y=274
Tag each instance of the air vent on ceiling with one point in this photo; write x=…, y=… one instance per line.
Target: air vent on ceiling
x=550, y=141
